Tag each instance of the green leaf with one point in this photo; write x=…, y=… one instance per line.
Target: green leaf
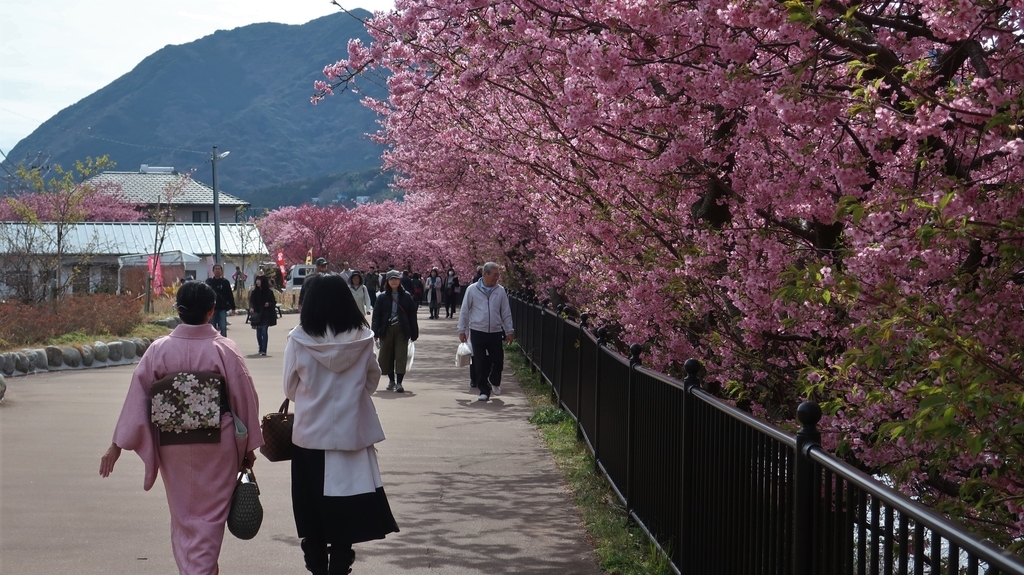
x=1000, y=119
x=974, y=444
x=945, y=200
x=932, y=401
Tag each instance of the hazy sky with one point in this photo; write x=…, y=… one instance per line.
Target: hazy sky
x=53, y=53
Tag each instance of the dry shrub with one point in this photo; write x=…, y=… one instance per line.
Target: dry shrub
x=100, y=314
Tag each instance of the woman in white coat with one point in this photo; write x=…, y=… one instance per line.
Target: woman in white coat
x=329, y=372
x=360, y=292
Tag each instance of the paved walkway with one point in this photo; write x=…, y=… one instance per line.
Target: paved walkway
x=471, y=485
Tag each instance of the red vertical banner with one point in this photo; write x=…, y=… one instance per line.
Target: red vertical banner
x=158, y=277
x=154, y=272
x=280, y=265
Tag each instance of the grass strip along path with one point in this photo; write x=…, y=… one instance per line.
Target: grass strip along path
x=621, y=546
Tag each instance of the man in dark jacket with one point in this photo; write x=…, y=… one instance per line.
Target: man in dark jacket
x=372, y=282
x=225, y=299
x=406, y=278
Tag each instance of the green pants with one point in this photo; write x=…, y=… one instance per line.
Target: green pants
x=394, y=351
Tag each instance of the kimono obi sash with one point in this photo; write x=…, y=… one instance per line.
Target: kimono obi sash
x=186, y=407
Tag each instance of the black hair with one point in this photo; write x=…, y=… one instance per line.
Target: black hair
x=354, y=276
x=329, y=304
x=194, y=300
x=264, y=283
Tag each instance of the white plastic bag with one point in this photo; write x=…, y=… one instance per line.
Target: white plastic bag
x=463, y=355
x=412, y=354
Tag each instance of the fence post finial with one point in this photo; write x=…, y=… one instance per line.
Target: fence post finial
x=692, y=367
x=634, y=354
x=809, y=414
x=584, y=318
x=602, y=335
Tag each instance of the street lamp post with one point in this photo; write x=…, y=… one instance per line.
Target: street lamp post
x=216, y=206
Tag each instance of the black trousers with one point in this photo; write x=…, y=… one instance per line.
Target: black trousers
x=488, y=359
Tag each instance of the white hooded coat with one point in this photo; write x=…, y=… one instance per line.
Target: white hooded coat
x=330, y=379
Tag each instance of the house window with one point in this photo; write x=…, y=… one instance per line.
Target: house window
x=201, y=217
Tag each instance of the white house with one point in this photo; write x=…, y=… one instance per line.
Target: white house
x=112, y=256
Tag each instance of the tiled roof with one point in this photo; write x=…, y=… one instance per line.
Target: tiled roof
x=110, y=238
x=147, y=188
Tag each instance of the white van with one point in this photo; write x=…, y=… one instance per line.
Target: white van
x=298, y=274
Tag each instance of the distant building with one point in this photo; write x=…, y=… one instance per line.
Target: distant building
x=150, y=186
x=360, y=200
x=112, y=256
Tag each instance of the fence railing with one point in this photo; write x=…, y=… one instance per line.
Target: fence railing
x=719, y=491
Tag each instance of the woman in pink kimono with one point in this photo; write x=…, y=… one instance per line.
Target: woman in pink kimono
x=329, y=372
x=199, y=478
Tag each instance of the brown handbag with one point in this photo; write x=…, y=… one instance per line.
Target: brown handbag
x=277, y=434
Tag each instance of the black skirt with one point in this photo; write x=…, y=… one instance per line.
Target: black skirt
x=341, y=520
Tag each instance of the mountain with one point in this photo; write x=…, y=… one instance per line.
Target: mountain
x=245, y=91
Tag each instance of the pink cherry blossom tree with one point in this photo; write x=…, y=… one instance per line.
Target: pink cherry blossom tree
x=819, y=200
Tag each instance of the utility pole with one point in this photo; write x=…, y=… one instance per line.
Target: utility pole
x=216, y=206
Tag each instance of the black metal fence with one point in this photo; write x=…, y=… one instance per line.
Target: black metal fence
x=722, y=492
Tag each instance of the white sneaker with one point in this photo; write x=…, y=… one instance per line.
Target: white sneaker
x=496, y=389
x=483, y=397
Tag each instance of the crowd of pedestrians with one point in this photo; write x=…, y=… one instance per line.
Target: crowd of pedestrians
x=334, y=361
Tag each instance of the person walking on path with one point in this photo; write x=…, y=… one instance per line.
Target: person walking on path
x=321, y=269
x=240, y=278
x=485, y=320
x=199, y=478
x=225, y=299
x=262, y=311
x=407, y=283
x=417, y=289
x=330, y=373
x=346, y=271
x=360, y=293
x=394, y=325
x=451, y=293
x=372, y=282
x=433, y=288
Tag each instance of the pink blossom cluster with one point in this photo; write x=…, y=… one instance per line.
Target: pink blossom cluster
x=779, y=189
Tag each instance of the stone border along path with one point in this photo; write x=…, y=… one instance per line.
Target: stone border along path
x=79, y=356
